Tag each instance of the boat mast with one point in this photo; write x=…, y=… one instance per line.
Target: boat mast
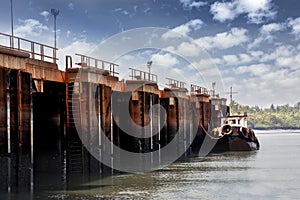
x=231, y=92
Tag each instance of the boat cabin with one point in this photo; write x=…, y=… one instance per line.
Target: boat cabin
x=235, y=120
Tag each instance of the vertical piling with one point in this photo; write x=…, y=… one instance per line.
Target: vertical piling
x=48, y=134
x=4, y=140
x=202, y=117
x=3, y=113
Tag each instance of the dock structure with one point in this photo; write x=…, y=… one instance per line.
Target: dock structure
x=175, y=101
x=32, y=91
x=201, y=114
x=49, y=118
x=88, y=94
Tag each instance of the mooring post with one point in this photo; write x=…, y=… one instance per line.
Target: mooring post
x=151, y=126
x=8, y=111
x=8, y=130
x=31, y=135
x=111, y=136
x=99, y=110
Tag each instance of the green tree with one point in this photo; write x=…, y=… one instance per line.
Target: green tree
x=280, y=116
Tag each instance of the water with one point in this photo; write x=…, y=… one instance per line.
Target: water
x=270, y=173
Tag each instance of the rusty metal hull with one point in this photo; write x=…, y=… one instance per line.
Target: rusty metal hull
x=239, y=144
x=235, y=141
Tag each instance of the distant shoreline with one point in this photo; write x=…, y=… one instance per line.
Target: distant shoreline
x=276, y=128
x=270, y=131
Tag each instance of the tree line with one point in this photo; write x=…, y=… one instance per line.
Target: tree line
x=274, y=117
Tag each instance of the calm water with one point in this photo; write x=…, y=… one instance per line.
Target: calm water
x=270, y=173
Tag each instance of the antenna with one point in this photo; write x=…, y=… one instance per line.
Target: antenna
x=231, y=92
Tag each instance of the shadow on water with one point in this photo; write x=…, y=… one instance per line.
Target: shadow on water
x=229, y=175
x=56, y=185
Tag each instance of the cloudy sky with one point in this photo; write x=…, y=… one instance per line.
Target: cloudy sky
x=251, y=45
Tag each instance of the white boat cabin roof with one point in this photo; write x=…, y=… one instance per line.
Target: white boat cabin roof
x=235, y=120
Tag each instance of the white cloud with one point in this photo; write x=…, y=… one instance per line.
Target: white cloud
x=30, y=27
x=266, y=33
x=80, y=47
x=265, y=75
x=124, y=12
x=238, y=59
x=295, y=25
x=164, y=60
x=206, y=64
x=225, y=40
x=121, y=10
x=71, y=6
x=245, y=58
x=256, y=54
x=223, y=11
x=271, y=28
x=230, y=59
x=147, y=10
x=264, y=87
x=190, y=4
x=256, y=69
x=117, y=10
x=184, y=29
x=281, y=51
x=286, y=56
x=188, y=49
x=68, y=33
x=291, y=62
x=256, y=11
x=45, y=14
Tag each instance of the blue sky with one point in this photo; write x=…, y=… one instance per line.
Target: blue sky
x=252, y=45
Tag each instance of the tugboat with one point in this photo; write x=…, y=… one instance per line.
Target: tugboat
x=234, y=135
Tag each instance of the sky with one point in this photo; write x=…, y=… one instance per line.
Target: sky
x=251, y=45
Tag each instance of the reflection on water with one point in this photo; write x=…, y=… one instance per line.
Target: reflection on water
x=272, y=172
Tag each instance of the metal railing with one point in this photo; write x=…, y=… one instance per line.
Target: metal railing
x=175, y=83
x=142, y=75
x=87, y=61
x=195, y=89
x=34, y=49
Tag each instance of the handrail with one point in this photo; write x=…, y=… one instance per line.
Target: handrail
x=175, y=83
x=31, y=48
x=142, y=75
x=195, y=89
x=97, y=63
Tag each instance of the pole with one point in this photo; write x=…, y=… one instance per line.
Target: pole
x=231, y=101
x=54, y=12
x=12, y=23
x=12, y=18
x=230, y=96
x=55, y=32
x=149, y=63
